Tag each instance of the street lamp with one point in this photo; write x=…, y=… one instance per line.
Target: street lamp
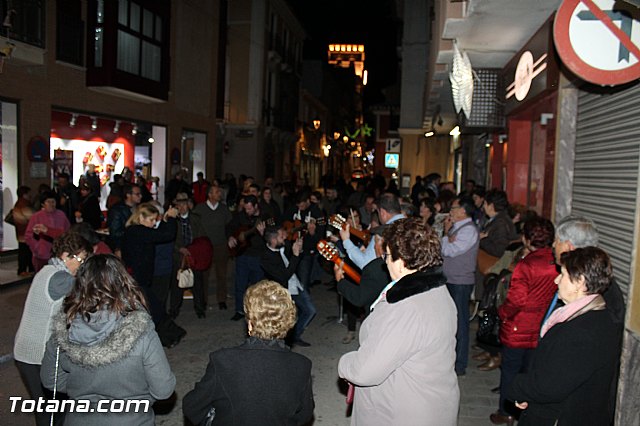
x=316, y=124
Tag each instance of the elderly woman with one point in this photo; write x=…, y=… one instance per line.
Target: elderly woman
x=108, y=349
x=43, y=227
x=574, y=368
x=49, y=287
x=260, y=382
x=404, y=369
x=531, y=289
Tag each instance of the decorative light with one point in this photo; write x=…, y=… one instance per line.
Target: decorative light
x=94, y=124
x=461, y=78
x=365, y=77
x=134, y=129
x=455, y=131
x=429, y=134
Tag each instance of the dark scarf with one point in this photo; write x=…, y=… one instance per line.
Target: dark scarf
x=416, y=283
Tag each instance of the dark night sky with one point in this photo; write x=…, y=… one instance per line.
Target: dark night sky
x=369, y=22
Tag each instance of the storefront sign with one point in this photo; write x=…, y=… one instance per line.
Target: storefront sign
x=63, y=163
x=599, y=40
x=532, y=71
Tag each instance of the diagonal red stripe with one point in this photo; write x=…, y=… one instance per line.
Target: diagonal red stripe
x=617, y=32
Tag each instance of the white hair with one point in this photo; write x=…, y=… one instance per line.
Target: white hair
x=578, y=230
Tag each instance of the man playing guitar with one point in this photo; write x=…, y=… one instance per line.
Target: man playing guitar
x=245, y=230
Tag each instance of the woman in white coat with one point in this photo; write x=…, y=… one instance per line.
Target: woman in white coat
x=404, y=369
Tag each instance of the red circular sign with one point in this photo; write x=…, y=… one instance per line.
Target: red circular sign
x=575, y=63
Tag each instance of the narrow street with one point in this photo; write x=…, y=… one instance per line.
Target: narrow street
x=190, y=357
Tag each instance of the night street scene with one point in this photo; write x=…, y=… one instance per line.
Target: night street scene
x=280, y=212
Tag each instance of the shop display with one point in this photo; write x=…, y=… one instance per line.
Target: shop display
x=115, y=155
x=102, y=152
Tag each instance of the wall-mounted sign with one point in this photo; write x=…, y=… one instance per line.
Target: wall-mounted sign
x=392, y=145
x=391, y=160
x=599, y=40
x=526, y=70
x=37, y=149
x=532, y=71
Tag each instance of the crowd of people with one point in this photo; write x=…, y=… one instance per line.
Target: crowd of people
x=102, y=304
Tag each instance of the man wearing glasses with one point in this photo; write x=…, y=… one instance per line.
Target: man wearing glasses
x=119, y=213
x=459, y=252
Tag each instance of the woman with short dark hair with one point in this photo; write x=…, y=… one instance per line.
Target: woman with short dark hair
x=531, y=289
x=48, y=288
x=403, y=371
x=260, y=382
x=573, y=372
x=104, y=347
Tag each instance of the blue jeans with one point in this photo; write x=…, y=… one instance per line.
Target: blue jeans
x=306, y=312
x=460, y=293
x=304, y=270
x=248, y=272
x=514, y=361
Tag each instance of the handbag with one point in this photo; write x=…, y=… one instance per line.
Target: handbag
x=9, y=218
x=485, y=261
x=489, y=328
x=185, y=275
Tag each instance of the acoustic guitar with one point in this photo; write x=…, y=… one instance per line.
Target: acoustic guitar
x=330, y=252
x=297, y=228
x=339, y=222
x=243, y=237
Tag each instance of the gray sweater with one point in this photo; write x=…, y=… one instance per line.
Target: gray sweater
x=109, y=357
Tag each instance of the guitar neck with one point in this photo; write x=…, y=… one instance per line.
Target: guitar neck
x=352, y=273
x=362, y=235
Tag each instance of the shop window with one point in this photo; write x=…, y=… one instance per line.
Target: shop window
x=25, y=19
x=69, y=32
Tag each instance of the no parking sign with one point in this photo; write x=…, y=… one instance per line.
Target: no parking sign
x=599, y=40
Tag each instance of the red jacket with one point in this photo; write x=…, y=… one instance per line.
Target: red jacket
x=531, y=289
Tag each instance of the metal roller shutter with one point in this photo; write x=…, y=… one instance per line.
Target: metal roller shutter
x=605, y=183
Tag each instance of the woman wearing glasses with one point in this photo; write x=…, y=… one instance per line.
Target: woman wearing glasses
x=404, y=369
x=49, y=287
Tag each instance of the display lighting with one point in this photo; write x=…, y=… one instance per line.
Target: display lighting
x=116, y=127
x=429, y=134
x=151, y=140
x=94, y=124
x=134, y=129
x=74, y=118
x=455, y=131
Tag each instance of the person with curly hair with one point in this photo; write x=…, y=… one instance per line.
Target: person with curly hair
x=531, y=289
x=403, y=372
x=573, y=370
x=49, y=287
x=260, y=382
x=104, y=346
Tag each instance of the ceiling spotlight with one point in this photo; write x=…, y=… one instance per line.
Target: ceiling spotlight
x=429, y=134
x=94, y=124
x=74, y=118
x=116, y=128
x=134, y=129
x=151, y=140
x=455, y=131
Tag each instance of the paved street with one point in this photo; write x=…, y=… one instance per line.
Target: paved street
x=189, y=359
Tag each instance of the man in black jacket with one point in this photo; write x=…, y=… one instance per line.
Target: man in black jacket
x=280, y=264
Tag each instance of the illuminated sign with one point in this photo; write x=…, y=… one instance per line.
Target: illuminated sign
x=391, y=161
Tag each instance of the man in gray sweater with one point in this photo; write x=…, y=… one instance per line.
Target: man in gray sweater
x=459, y=252
x=215, y=216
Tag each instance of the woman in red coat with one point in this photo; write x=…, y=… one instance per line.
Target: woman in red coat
x=531, y=289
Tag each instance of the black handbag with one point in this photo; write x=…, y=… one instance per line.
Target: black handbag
x=489, y=328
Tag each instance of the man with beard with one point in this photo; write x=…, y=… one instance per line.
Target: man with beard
x=279, y=262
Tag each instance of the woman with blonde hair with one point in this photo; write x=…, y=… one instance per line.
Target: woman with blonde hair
x=103, y=346
x=261, y=381
x=144, y=230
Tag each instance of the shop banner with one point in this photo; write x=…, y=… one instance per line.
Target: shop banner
x=63, y=163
